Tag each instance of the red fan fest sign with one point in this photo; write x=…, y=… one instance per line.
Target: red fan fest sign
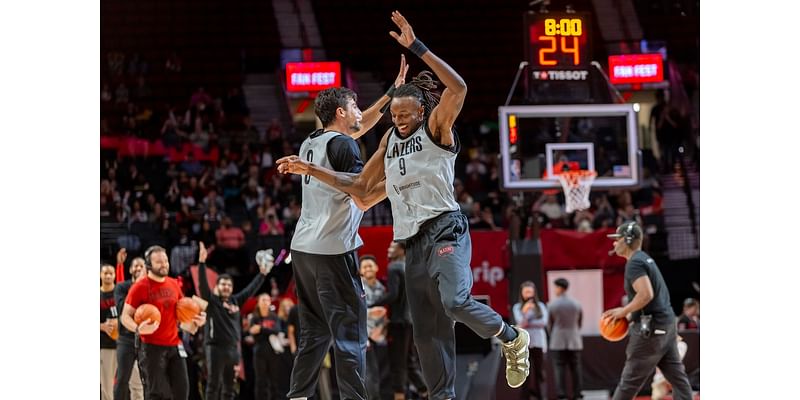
x=636, y=68
x=313, y=76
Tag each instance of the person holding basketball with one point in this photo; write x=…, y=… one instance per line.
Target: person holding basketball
x=222, y=333
x=414, y=165
x=128, y=383
x=653, y=331
x=162, y=358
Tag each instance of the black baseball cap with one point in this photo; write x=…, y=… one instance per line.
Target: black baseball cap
x=628, y=229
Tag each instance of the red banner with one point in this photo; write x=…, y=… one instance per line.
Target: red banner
x=567, y=249
x=313, y=76
x=489, y=261
x=636, y=68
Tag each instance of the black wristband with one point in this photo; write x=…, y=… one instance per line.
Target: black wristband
x=391, y=91
x=418, y=48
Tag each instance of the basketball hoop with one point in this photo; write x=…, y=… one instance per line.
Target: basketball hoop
x=577, y=185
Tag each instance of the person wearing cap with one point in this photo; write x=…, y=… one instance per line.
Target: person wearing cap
x=566, y=342
x=653, y=329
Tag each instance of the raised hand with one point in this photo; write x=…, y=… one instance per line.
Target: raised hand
x=401, y=76
x=122, y=254
x=406, y=36
x=203, y=253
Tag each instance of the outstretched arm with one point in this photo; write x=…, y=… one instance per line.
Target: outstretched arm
x=368, y=185
x=444, y=114
x=373, y=114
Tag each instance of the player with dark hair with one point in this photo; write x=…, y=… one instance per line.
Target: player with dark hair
x=653, y=331
x=415, y=166
x=128, y=382
x=329, y=291
x=162, y=358
x=224, y=328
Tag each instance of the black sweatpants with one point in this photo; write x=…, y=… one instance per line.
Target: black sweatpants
x=564, y=360
x=400, y=352
x=163, y=372
x=126, y=357
x=332, y=308
x=220, y=361
x=645, y=354
x=438, y=286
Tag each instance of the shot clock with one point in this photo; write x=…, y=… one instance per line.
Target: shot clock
x=558, y=45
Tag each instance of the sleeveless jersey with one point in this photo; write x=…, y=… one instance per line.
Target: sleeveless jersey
x=329, y=218
x=419, y=179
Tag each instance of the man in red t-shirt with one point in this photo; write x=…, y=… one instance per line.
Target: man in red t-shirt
x=161, y=354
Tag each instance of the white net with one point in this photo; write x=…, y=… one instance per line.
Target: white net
x=577, y=186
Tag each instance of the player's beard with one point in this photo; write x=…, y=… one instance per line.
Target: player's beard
x=159, y=272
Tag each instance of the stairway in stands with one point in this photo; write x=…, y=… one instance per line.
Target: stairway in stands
x=682, y=212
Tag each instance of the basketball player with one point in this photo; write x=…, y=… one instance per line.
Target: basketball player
x=128, y=383
x=222, y=333
x=415, y=166
x=653, y=331
x=329, y=291
x=161, y=354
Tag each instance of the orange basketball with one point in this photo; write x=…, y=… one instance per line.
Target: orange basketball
x=187, y=309
x=145, y=312
x=613, y=331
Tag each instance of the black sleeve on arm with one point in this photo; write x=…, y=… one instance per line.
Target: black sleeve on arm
x=392, y=291
x=120, y=292
x=205, y=292
x=344, y=154
x=250, y=290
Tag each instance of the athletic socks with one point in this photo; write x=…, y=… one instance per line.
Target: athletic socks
x=507, y=333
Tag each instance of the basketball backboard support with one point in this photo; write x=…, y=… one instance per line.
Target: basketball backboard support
x=537, y=142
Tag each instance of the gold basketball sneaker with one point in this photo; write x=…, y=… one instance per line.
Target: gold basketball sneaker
x=516, y=354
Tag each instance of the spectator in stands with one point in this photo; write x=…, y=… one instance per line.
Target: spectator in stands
x=137, y=214
x=604, y=216
x=253, y=195
x=200, y=136
x=271, y=225
x=212, y=199
x=184, y=250
x=485, y=219
x=116, y=62
x=225, y=169
x=690, y=318
x=229, y=236
x=213, y=216
x=172, y=132
x=191, y=166
x=548, y=205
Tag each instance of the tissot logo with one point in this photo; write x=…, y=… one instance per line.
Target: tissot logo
x=557, y=75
